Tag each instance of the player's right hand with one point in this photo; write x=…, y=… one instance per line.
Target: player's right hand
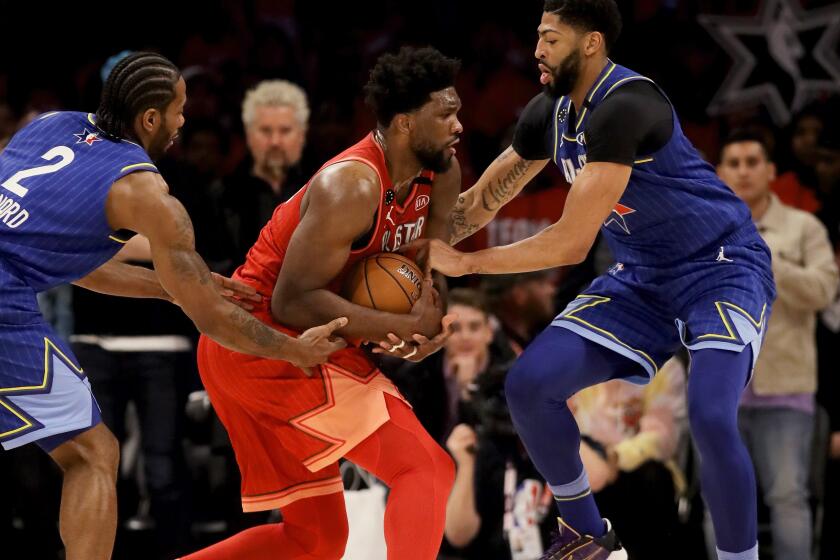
x=316, y=345
x=427, y=311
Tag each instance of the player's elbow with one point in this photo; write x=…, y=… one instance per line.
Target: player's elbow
x=577, y=253
x=288, y=309
x=279, y=308
x=209, y=319
x=460, y=532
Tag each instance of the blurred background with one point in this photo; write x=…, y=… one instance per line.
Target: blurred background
x=771, y=66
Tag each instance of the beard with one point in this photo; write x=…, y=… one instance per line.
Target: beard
x=159, y=143
x=565, y=76
x=432, y=158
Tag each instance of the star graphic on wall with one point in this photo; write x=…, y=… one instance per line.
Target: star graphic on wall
x=783, y=58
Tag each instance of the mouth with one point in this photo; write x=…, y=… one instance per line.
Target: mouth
x=545, y=74
x=450, y=148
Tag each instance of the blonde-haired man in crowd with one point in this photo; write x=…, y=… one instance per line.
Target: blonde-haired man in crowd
x=275, y=115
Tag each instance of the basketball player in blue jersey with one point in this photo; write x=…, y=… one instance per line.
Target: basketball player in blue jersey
x=691, y=269
x=73, y=188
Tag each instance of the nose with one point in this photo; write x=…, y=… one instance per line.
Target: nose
x=458, y=128
x=539, y=52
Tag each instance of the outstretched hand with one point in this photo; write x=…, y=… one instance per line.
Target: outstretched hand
x=315, y=345
x=236, y=292
x=434, y=254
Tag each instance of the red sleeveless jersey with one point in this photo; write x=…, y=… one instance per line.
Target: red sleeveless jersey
x=395, y=224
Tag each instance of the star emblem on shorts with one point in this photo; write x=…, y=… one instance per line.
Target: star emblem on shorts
x=783, y=58
x=87, y=137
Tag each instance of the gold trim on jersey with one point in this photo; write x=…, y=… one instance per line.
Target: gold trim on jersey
x=127, y=167
x=594, y=91
x=728, y=323
x=17, y=390
x=597, y=300
x=557, y=127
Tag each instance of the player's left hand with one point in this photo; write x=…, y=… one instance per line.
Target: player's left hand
x=434, y=254
x=420, y=347
x=236, y=292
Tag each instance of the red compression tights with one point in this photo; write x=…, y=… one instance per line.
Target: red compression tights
x=401, y=454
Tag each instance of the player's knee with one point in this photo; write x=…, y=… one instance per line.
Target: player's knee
x=95, y=449
x=525, y=380
x=711, y=424
x=326, y=540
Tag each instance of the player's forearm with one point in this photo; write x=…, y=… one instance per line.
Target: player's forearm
x=497, y=186
x=120, y=279
x=308, y=309
x=240, y=331
x=552, y=247
x=467, y=217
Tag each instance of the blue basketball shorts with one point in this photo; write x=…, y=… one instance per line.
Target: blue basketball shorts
x=722, y=300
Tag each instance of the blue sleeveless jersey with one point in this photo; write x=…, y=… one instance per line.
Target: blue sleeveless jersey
x=675, y=207
x=55, y=175
x=691, y=267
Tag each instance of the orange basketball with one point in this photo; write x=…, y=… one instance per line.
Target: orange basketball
x=385, y=281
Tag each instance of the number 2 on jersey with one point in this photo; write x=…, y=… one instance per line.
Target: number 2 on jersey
x=66, y=156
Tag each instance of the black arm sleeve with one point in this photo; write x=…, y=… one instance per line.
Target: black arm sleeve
x=633, y=121
x=533, y=127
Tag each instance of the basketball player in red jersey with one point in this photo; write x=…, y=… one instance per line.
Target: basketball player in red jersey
x=288, y=426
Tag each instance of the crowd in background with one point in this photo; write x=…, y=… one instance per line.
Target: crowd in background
x=274, y=90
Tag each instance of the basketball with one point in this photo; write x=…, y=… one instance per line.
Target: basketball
x=385, y=282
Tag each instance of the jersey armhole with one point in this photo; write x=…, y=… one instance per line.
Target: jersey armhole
x=363, y=242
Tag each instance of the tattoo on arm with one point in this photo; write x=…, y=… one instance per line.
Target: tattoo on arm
x=459, y=227
x=251, y=328
x=186, y=262
x=500, y=192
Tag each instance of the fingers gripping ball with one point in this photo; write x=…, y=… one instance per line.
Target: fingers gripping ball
x=385, y=282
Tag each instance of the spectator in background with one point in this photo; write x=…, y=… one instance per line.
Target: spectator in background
x=828, y=179
x=828, y=338
x=438, y=388
x=523, y=304
x=777, y=409
x=275, y=115
x=797, y=185
x=500, y=507
x=629, y=439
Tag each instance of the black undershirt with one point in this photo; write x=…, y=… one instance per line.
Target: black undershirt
x=637, y=109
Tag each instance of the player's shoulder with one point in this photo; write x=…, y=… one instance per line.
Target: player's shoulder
x=345, y=181
x=540, y=106
x=140, y=184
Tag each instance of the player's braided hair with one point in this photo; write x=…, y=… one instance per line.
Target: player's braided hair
x=140, y=81
x=589, y=15
x=403, y=82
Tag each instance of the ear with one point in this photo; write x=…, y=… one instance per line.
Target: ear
x=403, y=122
x=150, y=119
x=593, y=42
x=771, y=171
